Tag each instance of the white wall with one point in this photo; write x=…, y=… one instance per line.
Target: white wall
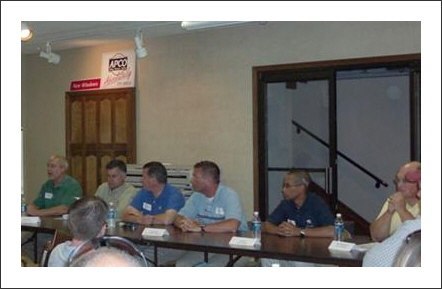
x=194, y=91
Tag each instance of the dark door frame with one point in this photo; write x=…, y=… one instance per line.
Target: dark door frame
x=262, y=75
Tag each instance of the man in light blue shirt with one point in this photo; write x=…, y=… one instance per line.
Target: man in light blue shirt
x=87, y=220
x=212, y=208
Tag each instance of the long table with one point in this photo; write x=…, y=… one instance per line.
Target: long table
x=314, y=250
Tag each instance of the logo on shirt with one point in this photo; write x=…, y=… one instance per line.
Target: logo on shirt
x=48, y=195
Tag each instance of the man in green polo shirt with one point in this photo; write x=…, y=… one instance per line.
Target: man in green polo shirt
x=54, y=199
x=57, y=193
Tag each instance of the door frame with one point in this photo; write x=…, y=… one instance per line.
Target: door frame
x=113, y=148
x=262, y=75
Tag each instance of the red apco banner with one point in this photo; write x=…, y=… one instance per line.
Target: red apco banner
x=85, y=84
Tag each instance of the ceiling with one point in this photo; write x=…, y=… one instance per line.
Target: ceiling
x=76, y=34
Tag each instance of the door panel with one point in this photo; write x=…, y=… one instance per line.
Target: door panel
x=100, y=126
x=105, y=121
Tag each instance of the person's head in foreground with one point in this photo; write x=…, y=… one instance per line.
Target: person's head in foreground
x=106, y=257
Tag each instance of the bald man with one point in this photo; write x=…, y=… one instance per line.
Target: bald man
x=58, y=192
x=107, y=257
x=402, y=205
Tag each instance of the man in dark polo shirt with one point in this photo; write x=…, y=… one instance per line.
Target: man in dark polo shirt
x=300, y=214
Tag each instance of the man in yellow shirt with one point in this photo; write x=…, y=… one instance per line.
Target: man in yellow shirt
x=402, y=205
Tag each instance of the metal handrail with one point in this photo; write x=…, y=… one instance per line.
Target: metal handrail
x=379, y=182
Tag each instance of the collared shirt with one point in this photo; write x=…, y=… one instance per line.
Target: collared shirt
x=65, y=193
x=225, y=205
x=148, y=204
x=314, y=212
x=121, y=196
x=384, y=254
x=396, y=221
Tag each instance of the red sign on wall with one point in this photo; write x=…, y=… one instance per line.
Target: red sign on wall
x=86, y=84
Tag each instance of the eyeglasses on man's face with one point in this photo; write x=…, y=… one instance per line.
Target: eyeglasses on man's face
x=399, y=182
x=287, y=185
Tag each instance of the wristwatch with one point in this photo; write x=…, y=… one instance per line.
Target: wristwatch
x=302, y=233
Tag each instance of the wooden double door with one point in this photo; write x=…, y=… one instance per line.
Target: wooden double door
x=100, y=126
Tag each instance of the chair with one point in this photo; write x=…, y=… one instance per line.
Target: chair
x=59, y=237
x=410, y=253
x=109, y=241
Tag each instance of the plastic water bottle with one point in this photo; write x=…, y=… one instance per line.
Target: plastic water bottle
x=23, y=204
x=256, y=228
x=111, y=215
x=339, y=227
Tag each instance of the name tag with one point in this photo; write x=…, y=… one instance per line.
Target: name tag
x=219, y=211
x=147, y=206
x=48, y=195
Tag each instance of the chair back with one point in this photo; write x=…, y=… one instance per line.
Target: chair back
x=59, y=237
x=410, y=253
x=109, y=241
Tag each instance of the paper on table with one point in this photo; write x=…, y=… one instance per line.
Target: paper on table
x=243, y=242
x=154, y=232
x=30, y=220
x=341, y=246
x=364, y=247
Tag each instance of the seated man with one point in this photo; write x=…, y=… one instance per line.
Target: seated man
x=57, y=193
x=385, y=253
x=157, y=203
x=87, y=221
x=212, y=208
x=300, y=214
x=116, y=190
x=400, y=206
x=54, y=198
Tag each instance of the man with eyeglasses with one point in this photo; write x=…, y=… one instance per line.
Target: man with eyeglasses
x=402, y=205
x=300, y=214
x=404, y=246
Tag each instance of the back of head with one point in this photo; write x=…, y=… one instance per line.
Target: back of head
x=87, y=216
x=117, y=164
x=106, y=257
x=156, y=170
x=209, y=168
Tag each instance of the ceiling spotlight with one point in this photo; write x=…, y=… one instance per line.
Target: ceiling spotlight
x=26, y=33
x=49, y=55
x=140, y=50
